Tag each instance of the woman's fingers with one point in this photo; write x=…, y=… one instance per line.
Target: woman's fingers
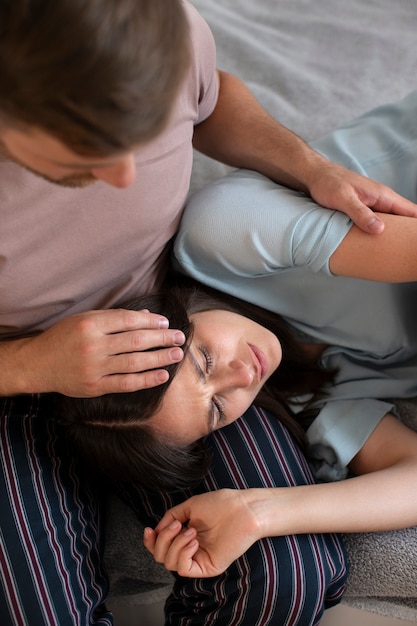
x=174, y=546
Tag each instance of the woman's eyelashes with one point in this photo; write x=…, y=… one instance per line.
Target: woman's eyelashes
x=218, y=414
x=221, y=417
x=207, y=359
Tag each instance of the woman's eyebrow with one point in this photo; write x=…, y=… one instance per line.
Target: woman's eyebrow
x=200, y=372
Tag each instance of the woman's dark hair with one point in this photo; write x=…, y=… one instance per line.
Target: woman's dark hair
x=113, y=434
x=99, y=75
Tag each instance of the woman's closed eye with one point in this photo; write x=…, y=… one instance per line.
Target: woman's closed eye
x=218, y=415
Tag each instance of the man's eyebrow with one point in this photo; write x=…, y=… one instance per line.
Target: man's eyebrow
x=202, y=376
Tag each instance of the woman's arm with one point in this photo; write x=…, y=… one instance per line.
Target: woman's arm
x=222, y=525
x=391, y=257
x=241, y=133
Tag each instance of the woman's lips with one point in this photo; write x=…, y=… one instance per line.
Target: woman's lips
x=261, y=362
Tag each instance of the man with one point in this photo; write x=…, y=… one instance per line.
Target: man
x=105, y=99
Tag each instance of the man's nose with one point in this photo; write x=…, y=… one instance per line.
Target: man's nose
x=121, y=174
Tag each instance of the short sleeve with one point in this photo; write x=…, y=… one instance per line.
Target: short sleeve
x=339, y=432
x=203, y=63
x=276, y=227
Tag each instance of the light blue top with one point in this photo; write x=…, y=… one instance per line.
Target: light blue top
x=245, y=235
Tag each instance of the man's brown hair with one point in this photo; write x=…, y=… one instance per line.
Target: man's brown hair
x=99, y=75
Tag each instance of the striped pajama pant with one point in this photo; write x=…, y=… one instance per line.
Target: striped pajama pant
x=50, y=517
x=51, y=532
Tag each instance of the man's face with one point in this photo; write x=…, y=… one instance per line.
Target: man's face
x=45, y=156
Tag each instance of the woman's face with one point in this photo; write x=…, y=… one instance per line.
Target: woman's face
x=228, y=362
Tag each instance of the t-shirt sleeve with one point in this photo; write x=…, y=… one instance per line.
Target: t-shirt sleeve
x=339, y=432
x=203, y=63
x=276, y=227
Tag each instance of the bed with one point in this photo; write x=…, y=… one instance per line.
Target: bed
x=313, y=64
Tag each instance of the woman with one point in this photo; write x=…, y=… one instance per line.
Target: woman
x=294, y=263
x=238, y=355
x=292, y=257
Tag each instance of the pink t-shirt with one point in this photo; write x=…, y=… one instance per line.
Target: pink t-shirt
x=63, y=251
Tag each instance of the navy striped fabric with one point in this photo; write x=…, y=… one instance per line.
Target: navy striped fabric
x=281, y=581
x=50, y=553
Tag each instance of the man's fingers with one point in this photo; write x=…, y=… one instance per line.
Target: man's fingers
x=404, y=207
x=142, y=340
x=135, y=371
x=128, y=383
x=364, y=217
x=374, y=225
x=137, y=362
x=121, y=320
x=363, y=213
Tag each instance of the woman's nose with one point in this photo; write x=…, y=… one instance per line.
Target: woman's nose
x=239, y=374
x=121, y=174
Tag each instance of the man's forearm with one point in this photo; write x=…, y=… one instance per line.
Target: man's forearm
x=242, y=134
x=18, y=376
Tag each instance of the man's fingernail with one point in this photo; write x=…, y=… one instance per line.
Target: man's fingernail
x=162, y=376
x=163, y=322
x=176, y=354
x=375, y=225
x=179, y=338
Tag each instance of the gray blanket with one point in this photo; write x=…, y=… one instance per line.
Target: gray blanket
x=383, y=566
x=313, y=64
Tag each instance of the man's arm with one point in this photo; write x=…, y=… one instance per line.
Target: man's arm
x=92, y=354
x=241, y=133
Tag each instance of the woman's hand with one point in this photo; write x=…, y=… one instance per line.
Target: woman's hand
x=220, y=526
